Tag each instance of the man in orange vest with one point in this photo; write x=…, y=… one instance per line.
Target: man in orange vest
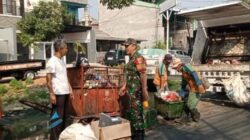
x=191, y=88
x=161, y=73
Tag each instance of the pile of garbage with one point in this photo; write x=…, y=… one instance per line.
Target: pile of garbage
x=236, y=90
x=169, y=96
x=218, y=61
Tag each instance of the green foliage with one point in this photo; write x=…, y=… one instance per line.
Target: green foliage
x=29, y=81
x=16, y=84
x=160, y=45
x=3, y=89
x=113, y=4
x=44, y=22
x=78, y=47
x=39, y=95
x=26, y=91
x=18, y=90
x=67, y=16
x=247, y=1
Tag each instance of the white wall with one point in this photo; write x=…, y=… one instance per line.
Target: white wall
x=9, y=37
x=83, y=37
x=29, y=4
x=135, y=21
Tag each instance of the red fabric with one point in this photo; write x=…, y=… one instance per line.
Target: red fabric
x=139, y=60
x=140, y=64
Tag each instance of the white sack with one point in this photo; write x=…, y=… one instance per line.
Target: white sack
x=77, y=131
x=164, y=94
x=236, y=90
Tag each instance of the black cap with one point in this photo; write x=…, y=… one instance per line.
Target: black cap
x=168, y=58
x=129, y=41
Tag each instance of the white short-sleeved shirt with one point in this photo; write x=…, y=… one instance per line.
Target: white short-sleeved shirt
x=57, y=67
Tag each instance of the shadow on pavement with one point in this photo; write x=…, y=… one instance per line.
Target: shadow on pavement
x=222, y=100
x=217, y=122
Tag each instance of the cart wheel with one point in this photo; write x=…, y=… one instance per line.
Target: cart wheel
x=29, y=74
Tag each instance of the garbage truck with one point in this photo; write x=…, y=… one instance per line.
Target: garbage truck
x=222, y=43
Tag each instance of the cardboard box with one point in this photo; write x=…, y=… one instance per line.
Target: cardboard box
x=114, y=132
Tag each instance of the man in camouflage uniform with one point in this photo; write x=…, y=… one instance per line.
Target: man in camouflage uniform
x=136, y=89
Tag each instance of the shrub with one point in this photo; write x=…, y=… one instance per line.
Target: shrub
x=16, y=84
x=160, y=45
x=3, y=89
x=29, y=81
x=26, y=91
x=40, y=95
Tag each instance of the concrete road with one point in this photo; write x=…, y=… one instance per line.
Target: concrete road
x=219, y=122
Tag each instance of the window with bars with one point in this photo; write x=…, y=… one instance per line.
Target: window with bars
x=11, y=6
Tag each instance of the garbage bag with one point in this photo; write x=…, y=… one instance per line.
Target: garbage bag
x=164, y=93
x=205, y=82
x=236, y=91
x=77, y=131
x=171, y=96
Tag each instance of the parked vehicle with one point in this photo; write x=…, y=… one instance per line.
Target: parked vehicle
x=21, y=69
x=153, y=58
x=114, y=57
x=220, y=52
x=181, y=54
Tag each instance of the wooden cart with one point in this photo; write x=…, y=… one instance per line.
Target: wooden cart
x=95, y=90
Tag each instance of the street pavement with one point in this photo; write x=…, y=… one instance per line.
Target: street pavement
x=219, y=121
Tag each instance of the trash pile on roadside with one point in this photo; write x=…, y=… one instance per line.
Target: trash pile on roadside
x=169, y=104
x=170, y=96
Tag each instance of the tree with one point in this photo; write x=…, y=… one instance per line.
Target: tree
x=160, y=45
x=44, y=22
x=112, y=4
x=79, y=48
x=247, y=1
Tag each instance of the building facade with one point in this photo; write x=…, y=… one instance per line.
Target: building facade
x=11, y=12
x=75, y=31
x=140, y=20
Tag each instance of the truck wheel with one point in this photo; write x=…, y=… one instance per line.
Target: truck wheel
x=29, y=74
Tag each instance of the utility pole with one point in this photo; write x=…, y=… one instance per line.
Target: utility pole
x=167, y=17
x=166, y=7
x=167, y=41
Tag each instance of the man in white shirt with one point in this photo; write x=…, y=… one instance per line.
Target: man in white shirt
x=59, y=88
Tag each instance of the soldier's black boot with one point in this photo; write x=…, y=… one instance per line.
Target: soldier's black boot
x=138, y=135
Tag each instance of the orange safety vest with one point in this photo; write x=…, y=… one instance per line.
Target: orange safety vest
x=191, y=83
x=158, y=77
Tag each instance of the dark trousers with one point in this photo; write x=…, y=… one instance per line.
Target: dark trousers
x=61, y=107
x=138, y=135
